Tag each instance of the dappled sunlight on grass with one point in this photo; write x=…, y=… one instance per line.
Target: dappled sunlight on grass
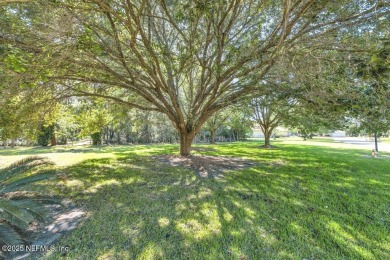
x=101, y=184
x=151, y=251
x=192, y=229
x=298, y=201
x=163, y=222
x=347, y=241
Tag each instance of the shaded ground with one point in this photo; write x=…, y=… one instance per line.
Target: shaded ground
x=304, y=200
x=203, y=149
x=62, y=220
x=206, y=165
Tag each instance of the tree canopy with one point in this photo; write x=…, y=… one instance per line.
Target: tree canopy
x=185, y=59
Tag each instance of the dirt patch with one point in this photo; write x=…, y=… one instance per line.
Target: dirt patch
x=205, y=165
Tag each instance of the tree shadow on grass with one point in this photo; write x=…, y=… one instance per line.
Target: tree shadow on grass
x=139, y=208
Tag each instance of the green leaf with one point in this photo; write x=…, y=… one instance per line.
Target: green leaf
x=22, y=166
x=15, y=214
x=27, y=180
x=9, y=236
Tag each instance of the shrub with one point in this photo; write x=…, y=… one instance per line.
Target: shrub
x=45, y=134
x=96, y=138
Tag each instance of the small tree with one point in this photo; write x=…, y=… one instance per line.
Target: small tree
x=268, y=112
x=215, y=122
x=239, y=122
x=93, y=118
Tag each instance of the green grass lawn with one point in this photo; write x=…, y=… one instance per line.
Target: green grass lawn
x=303, y=200
x=385, y=139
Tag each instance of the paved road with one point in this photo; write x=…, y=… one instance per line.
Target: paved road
x=363, y=143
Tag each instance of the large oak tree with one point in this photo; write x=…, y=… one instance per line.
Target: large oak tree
x=186, y=59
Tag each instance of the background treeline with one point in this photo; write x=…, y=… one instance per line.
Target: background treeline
x=102, y=122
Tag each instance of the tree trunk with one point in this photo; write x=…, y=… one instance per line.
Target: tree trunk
x=112, y=135
x=107, y=135
x=376, y=142
x=267, y=137
x=267, y=140
x=212, y=136
x=185, y=143
x=53, y=139
x=119, y=137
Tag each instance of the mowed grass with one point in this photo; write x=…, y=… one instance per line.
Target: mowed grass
x=302, y=200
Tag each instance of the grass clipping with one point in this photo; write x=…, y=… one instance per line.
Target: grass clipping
x=206, y=165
